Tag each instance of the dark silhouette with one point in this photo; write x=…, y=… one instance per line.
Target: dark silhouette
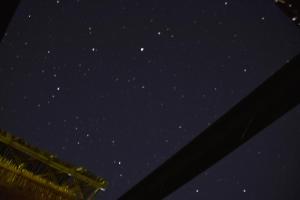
x=7, y=10
x=272, y=99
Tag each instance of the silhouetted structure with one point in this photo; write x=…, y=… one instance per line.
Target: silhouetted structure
x=272, y=99
x=291, y=9
x=7, y=9
x=28, y=173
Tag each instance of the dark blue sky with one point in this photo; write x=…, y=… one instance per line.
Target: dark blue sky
x=119, y=86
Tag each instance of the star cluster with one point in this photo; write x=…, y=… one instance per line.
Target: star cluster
x=119, y=86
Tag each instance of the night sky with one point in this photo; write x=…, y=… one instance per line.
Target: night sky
x=119, y=86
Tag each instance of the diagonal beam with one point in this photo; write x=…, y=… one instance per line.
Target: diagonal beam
x=272, y=99
x=7, y=9
x=291, y=8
